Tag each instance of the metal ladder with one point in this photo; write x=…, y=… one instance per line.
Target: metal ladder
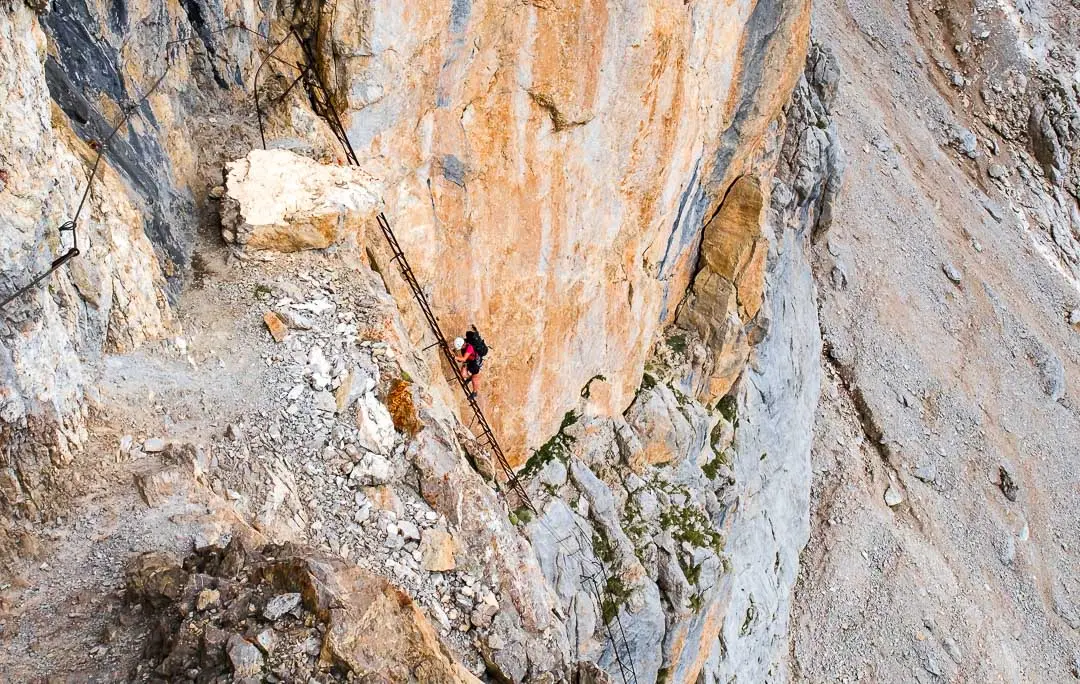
x=487, y=437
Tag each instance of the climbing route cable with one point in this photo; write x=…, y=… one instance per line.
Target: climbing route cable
x=71, y=225
x=598, y=581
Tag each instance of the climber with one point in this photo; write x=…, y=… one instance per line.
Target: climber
x=469, y=352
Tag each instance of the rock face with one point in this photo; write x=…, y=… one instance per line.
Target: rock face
x=727, y=289
x=111, y=298
x=775, y=419
x=564, y=180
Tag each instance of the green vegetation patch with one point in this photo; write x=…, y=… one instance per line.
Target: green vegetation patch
x=729, y=409
x=556, y=447
x=677, y=343
x=615, y=595
x=689, y=524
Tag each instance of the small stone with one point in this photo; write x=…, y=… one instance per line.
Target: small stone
x=312, y=645
x=409, y=530
x=383, y=498
x=931, y=666
x=281, y=604
x=207, y=598
x=324, y=401
x=553, y=474
x=278, y=330
x=217, y=192
x=1007, y=484
x=437, y=549
x=244, y=656
x=293, y=320
x=965, y=140
x=997, y=171
x=483, y=615
x=266, y=641
x=372, y=470
x=893, y=496
x=232, y=432
x=1074, y=317
x=154, y=445
x=951, y=272
x=495, y=642
x=926, y=473
x=127, y=443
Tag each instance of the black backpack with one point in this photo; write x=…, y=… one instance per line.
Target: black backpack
x=472, y=336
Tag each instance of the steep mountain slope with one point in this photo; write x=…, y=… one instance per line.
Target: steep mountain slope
x=944, y=524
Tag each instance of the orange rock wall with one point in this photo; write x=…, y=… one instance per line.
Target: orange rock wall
x=549, y=167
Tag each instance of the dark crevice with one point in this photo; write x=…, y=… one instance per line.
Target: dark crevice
x=194, y=12
x=864, y=413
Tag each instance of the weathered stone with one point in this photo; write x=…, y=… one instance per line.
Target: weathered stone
x=437, y=549
x=280, y=201
x=385, y=499
x=278, y=330
x=893, y=496
x=952, y=272
x=156, y=578
x=372, y=470
x=282, y=604
x=267, y=641
x=160, y=485
x=376, y=425
x=245, y=657
x=154, y=445
x=399, y=402
x=409, y=530
x=668, y=425
x=207, y=598
x=926, y=473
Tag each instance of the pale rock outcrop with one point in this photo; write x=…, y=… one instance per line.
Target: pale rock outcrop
x=280, y=201
x=667, y=425
x=637, y=559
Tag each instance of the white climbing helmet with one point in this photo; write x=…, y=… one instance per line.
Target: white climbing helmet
x=458, y=343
